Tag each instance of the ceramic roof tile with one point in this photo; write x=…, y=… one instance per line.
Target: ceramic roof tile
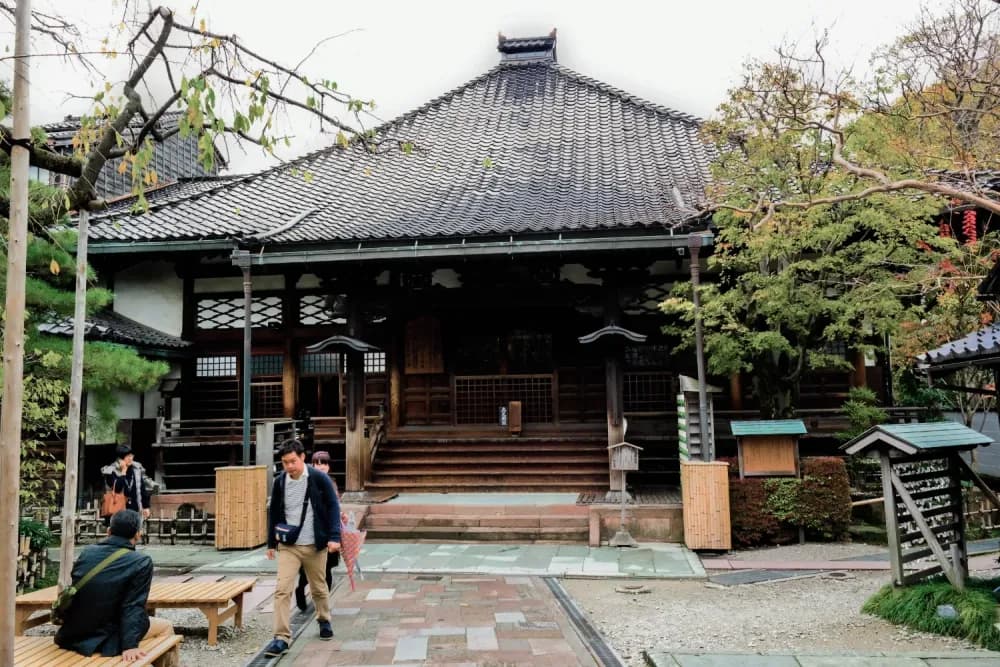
x=527, y=147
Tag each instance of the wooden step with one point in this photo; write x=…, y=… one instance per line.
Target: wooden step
x=488, y=447
x=437, y=509
x=515, y=468
x=394, y=458
x=424, y=485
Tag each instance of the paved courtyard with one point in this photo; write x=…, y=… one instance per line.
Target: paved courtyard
x=445, y=620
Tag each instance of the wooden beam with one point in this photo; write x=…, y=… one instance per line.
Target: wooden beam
x=952, y=571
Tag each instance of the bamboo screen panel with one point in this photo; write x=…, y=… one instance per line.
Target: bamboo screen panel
x=930, y=485
x=478, y=399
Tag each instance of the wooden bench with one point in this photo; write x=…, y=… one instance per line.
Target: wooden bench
x=42, y=652
x=218, y=600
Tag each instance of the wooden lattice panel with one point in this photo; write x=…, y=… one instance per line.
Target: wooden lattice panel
x=227, y=312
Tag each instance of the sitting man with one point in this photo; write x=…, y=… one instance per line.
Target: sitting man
x=108, y=615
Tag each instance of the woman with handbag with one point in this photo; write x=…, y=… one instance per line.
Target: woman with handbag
x=125, y=485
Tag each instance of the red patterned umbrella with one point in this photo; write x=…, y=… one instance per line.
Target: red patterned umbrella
x=351, y=541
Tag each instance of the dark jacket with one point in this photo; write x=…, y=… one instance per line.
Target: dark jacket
x=108, y=615
x=133, y=484
x=325, y=508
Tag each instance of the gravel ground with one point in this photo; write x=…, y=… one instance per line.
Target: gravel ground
x=819, y=613
x=811, y=613
x=809, y=551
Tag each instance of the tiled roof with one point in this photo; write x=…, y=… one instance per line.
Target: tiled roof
x=168, y=193
x=976, y=345
x=916, y=438
x=110, y=326
x=527, y=147
x=769, y=427
x=61, y=132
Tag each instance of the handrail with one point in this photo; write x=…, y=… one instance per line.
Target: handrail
x=376, y=439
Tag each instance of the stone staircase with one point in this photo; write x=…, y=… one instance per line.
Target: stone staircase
x=482, y=464
x=478, y=523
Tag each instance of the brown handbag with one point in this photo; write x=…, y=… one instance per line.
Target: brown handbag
x=112, y=503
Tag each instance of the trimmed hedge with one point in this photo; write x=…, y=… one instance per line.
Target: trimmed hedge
x=770, y=510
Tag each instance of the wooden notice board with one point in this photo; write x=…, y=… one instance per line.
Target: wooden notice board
x=422, y=351
x=769, y=455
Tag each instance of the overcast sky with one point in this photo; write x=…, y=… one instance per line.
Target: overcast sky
x=680, y=53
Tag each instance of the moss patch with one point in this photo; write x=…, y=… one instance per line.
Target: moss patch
x=916, y=607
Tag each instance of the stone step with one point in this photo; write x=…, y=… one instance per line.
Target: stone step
x=470, y=521
x=428, y=509
x=480, y=534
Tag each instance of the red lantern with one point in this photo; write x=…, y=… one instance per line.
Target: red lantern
x=969, y=228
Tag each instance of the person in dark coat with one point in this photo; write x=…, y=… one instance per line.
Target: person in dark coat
x=304, y=497
x=321, y=461
x=126, y=475
x=108, y=615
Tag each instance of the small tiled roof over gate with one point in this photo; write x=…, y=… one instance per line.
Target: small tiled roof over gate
x=529, y=147
x=977, y=348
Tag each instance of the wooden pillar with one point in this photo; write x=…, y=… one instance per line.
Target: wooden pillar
x=616, y=425
x=355, y=431
x=959, y=550
x=393, y=360
x=736, y=391
x=859, y=377
x=614, y=362
x=289, y=380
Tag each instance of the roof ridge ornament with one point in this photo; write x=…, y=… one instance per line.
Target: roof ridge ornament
x=527, y=49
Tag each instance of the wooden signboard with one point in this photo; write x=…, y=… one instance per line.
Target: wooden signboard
x=422, y=348
x=769, y=455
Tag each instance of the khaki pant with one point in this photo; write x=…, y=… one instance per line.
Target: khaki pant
x=159, y=627
x=290, y=558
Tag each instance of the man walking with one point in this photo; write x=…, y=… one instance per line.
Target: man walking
x=303, y=526
x=108, y=613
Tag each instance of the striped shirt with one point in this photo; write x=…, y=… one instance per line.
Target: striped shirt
x=295, y=495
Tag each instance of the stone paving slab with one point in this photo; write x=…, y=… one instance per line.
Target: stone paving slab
x=824, y=659
x=653, y=561
x=453, y=620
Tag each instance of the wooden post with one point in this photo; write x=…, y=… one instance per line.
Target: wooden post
x=73, y=418
x=891, y=520
x=859, y=377
x=13, y=343
x=354, y=438
x=736, y=391
x=289, y=379
x=616, y=426
x=959, y=550
x=393, y=359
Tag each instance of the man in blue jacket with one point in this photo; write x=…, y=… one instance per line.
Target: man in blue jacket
x=303, y=501
x=108, y=615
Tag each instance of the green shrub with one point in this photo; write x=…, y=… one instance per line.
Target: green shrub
x=916, y=607
x=825, y=498
x=41, y=536
x=752, y=523
x=770, y=510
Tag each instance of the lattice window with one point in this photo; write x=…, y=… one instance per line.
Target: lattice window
x=319, y=364
x=314, y=310
x=266, y=365
x=227, y=313
x=215, y=367
x=266, y=400
x=649, y=392
x=374, y=363
x=479, y=399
